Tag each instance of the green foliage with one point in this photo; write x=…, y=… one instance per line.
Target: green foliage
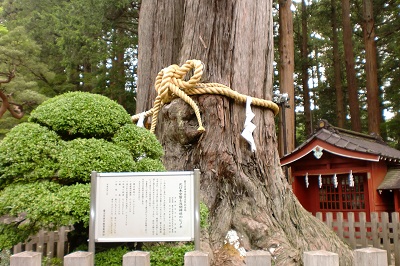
x=44, y=179
x=5, y=257
x=28, y=153
x=111, y=257
x=168, y=254
x=81, y=114
x=20, y=53
x=30, y=96
x=89, y=47
x=46, y=261
x=149, y=165
x=138, y=141
x=8, y=122
x=38, y=205
x=393, y=131
x=204, y=214
x=79, y=157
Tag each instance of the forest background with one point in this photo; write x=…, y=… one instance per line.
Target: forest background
x=49, y=47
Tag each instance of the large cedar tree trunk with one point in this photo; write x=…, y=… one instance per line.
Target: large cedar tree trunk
x=340, y=111
x=371, y=68
x=244, y=191
x=352, y=84
x=304, y=69
x=286, y=69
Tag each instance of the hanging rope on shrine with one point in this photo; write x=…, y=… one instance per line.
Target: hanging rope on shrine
x=170, y=84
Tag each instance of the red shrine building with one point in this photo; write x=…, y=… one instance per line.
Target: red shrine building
x=338, y=170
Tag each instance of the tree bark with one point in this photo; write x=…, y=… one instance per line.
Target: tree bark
x=352, y=84
x=245, y=191
x=340, y=111
x=371, y=69
x=304, y=69
x=286, y=70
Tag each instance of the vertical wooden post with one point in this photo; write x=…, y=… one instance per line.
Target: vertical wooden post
x=329, y=220
x=374, y=229
x=29, y=245
x=363, y=230
x=40, y=241
x=396, y=237
x=17, y=248
x=196, y=258
x=385, y=233
x=351, y=223
x=50, y=244
x=340, y=224
x=319, y=216
x=62, y=236
x=258, y=258
x=26, y=258
x=370, y=256
x=81, y=258
x=320, y=257
x=136, y=258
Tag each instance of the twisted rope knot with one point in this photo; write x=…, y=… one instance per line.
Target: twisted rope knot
x=170, y=84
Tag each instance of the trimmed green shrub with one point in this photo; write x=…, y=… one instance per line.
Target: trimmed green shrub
x=42, y=204
x=79, y=157
x=28, y=153
x=46, y=164
x=138, y=141
x=81, y=114
x=149, y=165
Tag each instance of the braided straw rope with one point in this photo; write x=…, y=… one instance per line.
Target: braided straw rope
x=170, y=84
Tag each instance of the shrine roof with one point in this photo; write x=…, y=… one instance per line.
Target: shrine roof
x=345, y=141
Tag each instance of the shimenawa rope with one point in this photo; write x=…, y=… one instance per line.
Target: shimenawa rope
x=170, y=84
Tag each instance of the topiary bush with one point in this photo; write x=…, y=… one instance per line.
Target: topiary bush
x=149, y=165
x=46, y=163
x=28, y=153
x=79, y=157
x=38, y=205
x=138, y=141
x=81, y=114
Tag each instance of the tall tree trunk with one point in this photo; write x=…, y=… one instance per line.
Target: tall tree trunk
x=352, y=84
x=286, y=69
x=304, y=69
x=371, y=69
x=244, y=190
x=340, y=111
x=161, y=19
x=317, y=75
x=117, y=71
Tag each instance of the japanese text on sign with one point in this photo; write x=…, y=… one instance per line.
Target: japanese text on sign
x=144, y=207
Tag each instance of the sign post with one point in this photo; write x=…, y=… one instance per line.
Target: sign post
x=144, y=207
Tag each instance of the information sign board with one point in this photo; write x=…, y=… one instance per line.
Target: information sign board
x=144, y=207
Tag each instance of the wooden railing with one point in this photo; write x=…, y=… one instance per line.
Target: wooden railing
x=49, y=243
x=380, y=231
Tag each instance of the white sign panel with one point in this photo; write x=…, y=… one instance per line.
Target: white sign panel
x=140, y=207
